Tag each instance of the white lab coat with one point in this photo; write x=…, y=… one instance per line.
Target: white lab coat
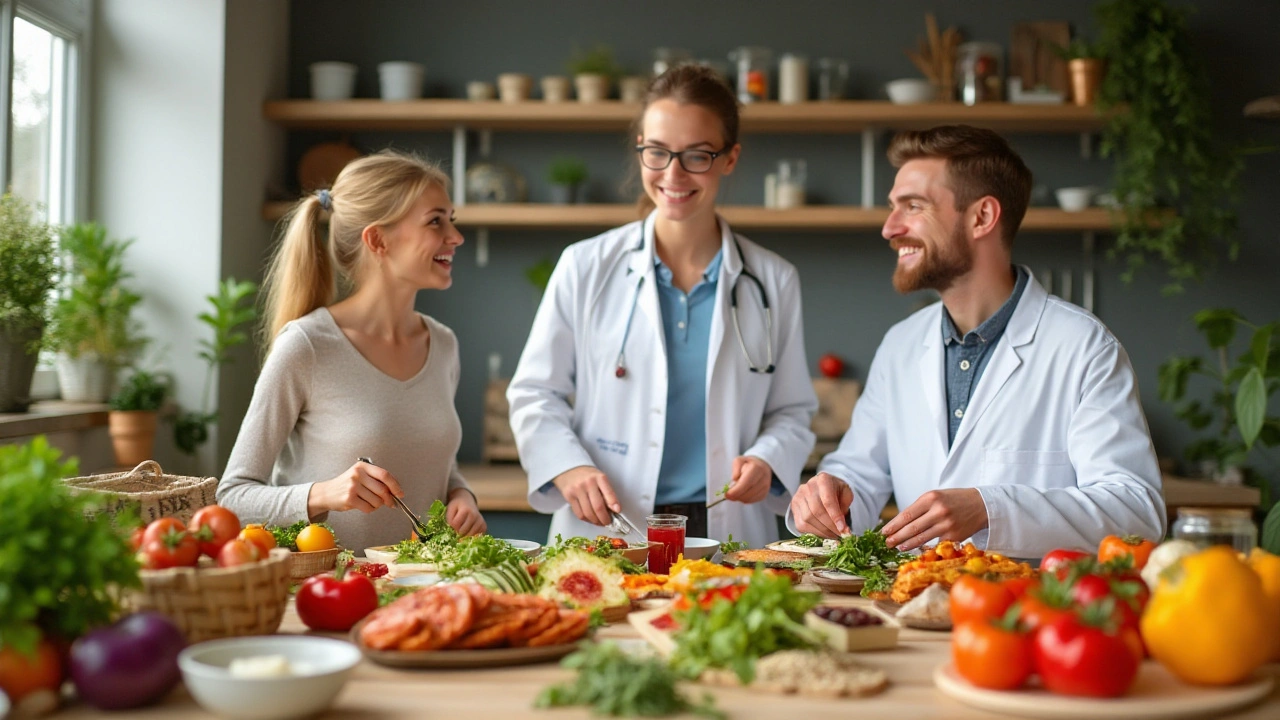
x=1054, y=437
x=619, y=424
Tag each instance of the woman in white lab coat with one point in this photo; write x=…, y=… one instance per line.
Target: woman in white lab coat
x=666, y=361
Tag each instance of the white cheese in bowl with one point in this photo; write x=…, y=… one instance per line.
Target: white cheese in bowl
x=260, y=666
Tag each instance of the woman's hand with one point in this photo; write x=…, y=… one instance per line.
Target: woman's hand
x=751, y=480
x=362, y=487
x=462, y=514
x=589, y=494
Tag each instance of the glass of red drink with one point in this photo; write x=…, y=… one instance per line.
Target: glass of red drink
x=666, y=541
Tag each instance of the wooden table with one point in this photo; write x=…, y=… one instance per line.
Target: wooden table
x=505, y=693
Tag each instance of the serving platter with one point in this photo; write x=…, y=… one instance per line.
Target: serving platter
x=828, y=546
x=1155, y=694
x=459, y=659
x=835, y=581
x=891, y=608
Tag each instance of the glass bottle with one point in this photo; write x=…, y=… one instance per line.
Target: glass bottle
x=1217, y=526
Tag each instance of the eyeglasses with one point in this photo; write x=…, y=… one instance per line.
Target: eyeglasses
x=693, y=161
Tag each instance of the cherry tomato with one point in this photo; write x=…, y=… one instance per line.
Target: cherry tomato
x=991, y=656
x=259, y=536
x=976, y=599
x=334, y=602
x=22, y=674
x=176, y=549
x=213, y=526
x=831, y=366
x=1119, y=546
x=135, y=538
x=159, y=528
x=1075, y=657
x=238, y=552
x=1054, y=558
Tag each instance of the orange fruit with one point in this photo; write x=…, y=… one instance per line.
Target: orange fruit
x=259, y=536
x=314, y=537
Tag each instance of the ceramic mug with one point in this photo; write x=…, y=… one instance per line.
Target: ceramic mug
x=333, y=80
x=401, y=80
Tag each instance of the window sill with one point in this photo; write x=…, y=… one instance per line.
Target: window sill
x=52, y=416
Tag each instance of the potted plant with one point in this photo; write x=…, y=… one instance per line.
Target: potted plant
x=1171, y=162
x=1236, y=414
x=132, y=420
x=28, y=273
x=192, y=427
x=1085, y=64
x=91, y=325
x=566, y=174
x=593, y=72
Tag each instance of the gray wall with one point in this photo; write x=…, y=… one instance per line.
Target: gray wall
x=849, y=302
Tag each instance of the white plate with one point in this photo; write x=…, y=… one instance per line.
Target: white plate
x=1155, y=694
x=828, y=546
x=420, y=580
x=530, y=548
x=385, y=554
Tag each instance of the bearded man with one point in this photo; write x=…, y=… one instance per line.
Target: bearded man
x=1000, y=414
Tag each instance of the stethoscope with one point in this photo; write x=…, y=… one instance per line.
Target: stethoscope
x=621, y=370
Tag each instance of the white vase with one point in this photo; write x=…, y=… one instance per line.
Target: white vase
x=84, y=379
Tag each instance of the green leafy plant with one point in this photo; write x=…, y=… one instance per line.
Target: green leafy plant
x=229, y=314
x=611, y=682
x=731, y=545
x=93, y=313
x=867, y=556
x=539, y=274
x=63, y=563
x=28, y=265
x=1236, y=414
x=567, y=171
x=1171, y=163
x=142, y=391
x=597, y=60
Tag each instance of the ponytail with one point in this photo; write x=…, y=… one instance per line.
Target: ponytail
x=300, y=277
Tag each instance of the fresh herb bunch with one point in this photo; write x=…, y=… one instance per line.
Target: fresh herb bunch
x=809, y=540
x=867, y=556
x=287, y=537
x=63, y=562
x=613, y=683
x=473, y=553
x=731, y=545
x=142, y=391
x=766, y=618
x=28, y=269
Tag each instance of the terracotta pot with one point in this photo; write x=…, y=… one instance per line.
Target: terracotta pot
x=555, y=88
x=514, y=87
x=133, y=435
x=591, y=87
x=1086, y=79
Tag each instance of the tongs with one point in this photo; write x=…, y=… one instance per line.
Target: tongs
x=623, y=526
x=418, y=526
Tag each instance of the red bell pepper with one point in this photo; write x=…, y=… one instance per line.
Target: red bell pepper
x=334, y=602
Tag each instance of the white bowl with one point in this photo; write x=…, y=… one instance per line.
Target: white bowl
x=531, y=549
x=321, y=666
x=910, y=91
x=385, y=554
x=1075, y=199
x=697, y=548
x=420, y=580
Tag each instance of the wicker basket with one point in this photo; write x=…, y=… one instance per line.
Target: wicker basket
x=212, y=602
x=306, y=564
x=151, y=491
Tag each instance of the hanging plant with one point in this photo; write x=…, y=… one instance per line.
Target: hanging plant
x=1167, y=153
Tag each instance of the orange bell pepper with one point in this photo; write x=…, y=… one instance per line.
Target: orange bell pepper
x=1118, y=546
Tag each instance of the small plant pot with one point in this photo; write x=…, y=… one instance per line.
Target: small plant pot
x=591, y=87
x=133, y=435
x=1086, y=78
x=555, y=88
x=478, y=90
x=514, y=87
x=333, y=80
x=400, y=81
x=84, y=379
x=632, y=88
x=17, y=367
x=565, y=194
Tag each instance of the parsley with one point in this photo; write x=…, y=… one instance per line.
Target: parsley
x=766, y=618
x=614, y=683
x=440, y=539
x=724, y=490
x=287, y=537
x=809, y=540
x=868, y=556
x=731, y=545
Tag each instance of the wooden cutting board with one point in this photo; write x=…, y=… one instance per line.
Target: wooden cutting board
x=321, y=163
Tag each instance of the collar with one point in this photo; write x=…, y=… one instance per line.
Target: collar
x=644, y=258
x=993, y=326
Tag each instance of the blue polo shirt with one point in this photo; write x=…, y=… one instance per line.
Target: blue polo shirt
x=686, y=325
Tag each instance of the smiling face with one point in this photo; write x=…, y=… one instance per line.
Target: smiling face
x=419, y=249
x=678, y=194
x=925, y=229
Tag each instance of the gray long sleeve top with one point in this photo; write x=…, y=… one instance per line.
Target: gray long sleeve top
x=318, y=405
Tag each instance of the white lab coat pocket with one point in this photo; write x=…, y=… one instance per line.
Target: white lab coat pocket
x=1035, y=468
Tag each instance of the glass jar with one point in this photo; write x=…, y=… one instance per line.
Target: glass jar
x=833, y=75
x=981, y=79
x=665, y=58
x=790, y=184
x=1217, y=526
x=753, y=72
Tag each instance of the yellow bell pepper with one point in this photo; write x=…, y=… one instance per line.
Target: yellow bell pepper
x=1267, y=566
x=1206, y=616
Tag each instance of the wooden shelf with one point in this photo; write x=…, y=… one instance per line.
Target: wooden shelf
x=1267, y=108
x=53, y=416
x=749, y=217
x=848, y=116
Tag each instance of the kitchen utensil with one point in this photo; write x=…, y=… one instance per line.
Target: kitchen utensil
x=418, y=526
x=623, y=526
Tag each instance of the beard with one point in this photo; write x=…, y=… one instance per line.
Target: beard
x=939, y=266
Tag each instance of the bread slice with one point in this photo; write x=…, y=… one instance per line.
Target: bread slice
x=773, y=559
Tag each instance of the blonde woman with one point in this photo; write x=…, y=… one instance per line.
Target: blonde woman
x=366, y=376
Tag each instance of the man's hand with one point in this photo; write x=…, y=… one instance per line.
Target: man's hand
x=820, y=505
x=751, y=479
x=954, y=514
x=589, y=494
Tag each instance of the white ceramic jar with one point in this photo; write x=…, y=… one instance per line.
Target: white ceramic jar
x=333, y=81
x=401, y=80
x=793, y=79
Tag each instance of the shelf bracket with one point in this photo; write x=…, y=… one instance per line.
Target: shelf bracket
x=1089, y=241
x=459, y=165
x=482, y=247
x=869, y=167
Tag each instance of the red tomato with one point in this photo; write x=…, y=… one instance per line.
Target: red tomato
x=1046, y=602
x=214, y=526
x=991, y=656
x=21, y=674
x=159, y=528
x=1020, y=586
x=238, y=552
x=1076, y=658
x=135, y=538
x=334, y=602
x=177, y=549
x=975, y=599
x=1135, y=547
x=831, y=366
x=1054, y=558
x=1122, y=594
